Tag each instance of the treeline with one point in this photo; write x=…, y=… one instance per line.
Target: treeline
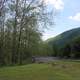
x=21, y=24
x=69, y=50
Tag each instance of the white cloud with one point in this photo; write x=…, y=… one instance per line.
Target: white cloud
x=58, y=4
x=75, y=17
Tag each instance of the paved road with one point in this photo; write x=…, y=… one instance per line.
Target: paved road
x=45, y=59
x=49, y=59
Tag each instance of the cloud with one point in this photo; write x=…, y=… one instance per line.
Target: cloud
x=58, y=4
x=47, y=35
x=75, y=17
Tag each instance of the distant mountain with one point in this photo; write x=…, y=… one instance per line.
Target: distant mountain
x=64, y=38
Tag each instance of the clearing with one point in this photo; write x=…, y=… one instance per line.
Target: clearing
x=59, y=70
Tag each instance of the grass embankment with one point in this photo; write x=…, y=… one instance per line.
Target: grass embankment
x=61, y=70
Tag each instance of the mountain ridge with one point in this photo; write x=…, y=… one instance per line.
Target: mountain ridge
x=64, y=38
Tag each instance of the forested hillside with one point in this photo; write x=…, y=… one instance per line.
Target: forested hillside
x=66, y=44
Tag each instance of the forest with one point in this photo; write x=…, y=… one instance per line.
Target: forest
x=66, y=45
x=21, y=26
x=22, y=23
x=32, y=46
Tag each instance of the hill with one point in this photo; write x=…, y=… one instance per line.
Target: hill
x=63, y=43
x=64, y=37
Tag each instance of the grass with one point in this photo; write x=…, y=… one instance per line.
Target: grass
x=60, y=70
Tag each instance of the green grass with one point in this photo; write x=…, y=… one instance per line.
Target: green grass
x=60, y=70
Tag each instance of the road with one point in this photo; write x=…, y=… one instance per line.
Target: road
x=45, y=59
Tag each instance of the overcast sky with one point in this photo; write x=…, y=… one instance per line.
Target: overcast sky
x=68, y=16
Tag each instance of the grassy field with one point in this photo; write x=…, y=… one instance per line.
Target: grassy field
x=61, y=70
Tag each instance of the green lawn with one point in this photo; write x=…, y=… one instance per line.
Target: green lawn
x=61, y=70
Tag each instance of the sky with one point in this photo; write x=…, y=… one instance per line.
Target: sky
x=67, y=17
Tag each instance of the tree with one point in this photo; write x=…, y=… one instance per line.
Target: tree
x=2, y=24
x=20, y=29
x=55, y=50
x=66, y=51
x=76, y=47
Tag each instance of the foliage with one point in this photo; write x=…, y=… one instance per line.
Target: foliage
x=21, y=23
x=67, y=44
